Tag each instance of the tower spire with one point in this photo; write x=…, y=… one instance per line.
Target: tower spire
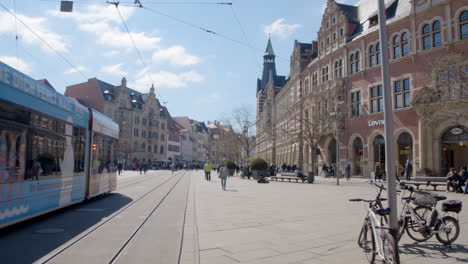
x=269, y=49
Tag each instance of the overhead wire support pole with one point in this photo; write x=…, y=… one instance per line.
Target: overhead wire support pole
x=388, y=125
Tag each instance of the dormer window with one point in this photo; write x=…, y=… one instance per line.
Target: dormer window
x=373, y=21
x=334, y=20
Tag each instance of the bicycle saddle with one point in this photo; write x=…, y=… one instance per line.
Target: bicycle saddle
x=440, y=197
x=408, y=198
x=383, y=211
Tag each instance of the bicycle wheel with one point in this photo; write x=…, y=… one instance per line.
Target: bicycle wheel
x=389, y=248
x=420, y=231
x=402, y=227
x=366, y=242
x=448, y=230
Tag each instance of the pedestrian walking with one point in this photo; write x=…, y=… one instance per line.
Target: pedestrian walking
x=348, y=171
x=119, y=168
x=408, y=170
x=140, y=166
x=134, y=166
x=173, y=167
x=378, y=172
x=324, y=170
x=208, y=169
x=462, y=179
x=452, y=178
x=223, y=174
x=283, y=167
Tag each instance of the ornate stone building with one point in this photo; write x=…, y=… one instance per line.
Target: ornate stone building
x=223, y=145
x=341, y=90
x=142, y=119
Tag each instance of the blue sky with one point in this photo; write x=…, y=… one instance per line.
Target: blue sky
x=199, y=75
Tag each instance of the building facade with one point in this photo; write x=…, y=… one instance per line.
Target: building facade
x=340, y=90
x=223, y=146
x=142, y=119
x=194, y=141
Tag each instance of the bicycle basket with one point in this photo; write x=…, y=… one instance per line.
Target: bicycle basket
x=425, y=199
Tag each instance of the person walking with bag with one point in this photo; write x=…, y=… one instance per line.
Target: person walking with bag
x=223, y=174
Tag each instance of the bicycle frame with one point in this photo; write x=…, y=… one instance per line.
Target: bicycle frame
x=376, y=227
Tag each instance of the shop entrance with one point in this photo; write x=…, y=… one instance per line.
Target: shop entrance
x=358, y=152
x=405, y=150
x=379, y=153
x=454, y=149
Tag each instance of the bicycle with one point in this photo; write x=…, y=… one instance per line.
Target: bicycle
x=423, y=221
x=374, y=239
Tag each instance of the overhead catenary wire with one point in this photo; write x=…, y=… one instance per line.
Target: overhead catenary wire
x=16, y=33
x=45, y=42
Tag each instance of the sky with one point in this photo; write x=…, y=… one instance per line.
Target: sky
x=195, y=73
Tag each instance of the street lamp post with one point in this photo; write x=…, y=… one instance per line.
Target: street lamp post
x=336, y=114
x=388, y=121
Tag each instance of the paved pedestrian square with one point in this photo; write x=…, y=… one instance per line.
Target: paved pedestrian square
x=283, y=222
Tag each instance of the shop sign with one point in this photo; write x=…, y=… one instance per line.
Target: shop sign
x=376, y=123
x=456, y=131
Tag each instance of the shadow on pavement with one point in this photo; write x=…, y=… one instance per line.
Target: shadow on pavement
x=231, y=190
x=25, y=243
x=443, y=252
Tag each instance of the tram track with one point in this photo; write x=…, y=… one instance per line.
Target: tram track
x=51, y=256
x=125, y=246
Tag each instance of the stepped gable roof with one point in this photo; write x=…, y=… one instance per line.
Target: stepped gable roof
x=350, y=11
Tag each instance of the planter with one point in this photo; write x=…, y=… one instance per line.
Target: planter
x=257, y=174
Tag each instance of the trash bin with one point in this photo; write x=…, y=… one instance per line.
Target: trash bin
x=310, y=177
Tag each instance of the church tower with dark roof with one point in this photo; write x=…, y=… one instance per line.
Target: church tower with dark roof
x=269, y=68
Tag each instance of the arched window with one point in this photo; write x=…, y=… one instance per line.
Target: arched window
x=464, y=25
x=404, y=44
x=355, y=63
x=431, y=36
x=374, y=55
x=358, y=154
x=339, y=69
x=396, y=47
x=405, y=148
x=436, y=35
x=426, y=37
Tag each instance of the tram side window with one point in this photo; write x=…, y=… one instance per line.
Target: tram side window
x=79, y=149
x=47, y=155
x=13, y=140
x=103, y=154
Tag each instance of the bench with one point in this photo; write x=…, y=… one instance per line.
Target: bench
x=433, y=181
x=290, y=176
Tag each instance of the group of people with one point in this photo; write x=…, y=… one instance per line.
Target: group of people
x=458, y=181
x=223, y=173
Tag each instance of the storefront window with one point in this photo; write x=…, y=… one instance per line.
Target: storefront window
x=454, y=149
x=405, y=149
x=358, y=155
x=332, y=151
x=379, y=152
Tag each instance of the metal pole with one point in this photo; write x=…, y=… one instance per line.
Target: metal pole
x=388, y=117
x=337, y=168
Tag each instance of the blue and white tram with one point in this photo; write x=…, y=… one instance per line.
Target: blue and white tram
x=47, y=144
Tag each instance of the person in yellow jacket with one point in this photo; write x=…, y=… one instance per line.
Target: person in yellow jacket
x=208, y=171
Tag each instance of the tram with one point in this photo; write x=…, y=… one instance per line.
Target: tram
x=54, y=152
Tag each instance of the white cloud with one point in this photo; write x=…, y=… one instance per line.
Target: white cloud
x=114, y=70
x=111, y=36
x=165, y=79
x=73, y=70
x=18, y=64
x=38, y=25
x=111, y=53
x=281, y=29
x=175, y=55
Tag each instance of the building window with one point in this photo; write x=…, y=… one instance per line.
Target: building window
x=163, y=126
x=355, y=63
x=334, y=36
x=404, y=44
x=356, y=107
x=431, y=38
x=144, y=121
x=162, y=137
x=376, y=99
x=436, y=35
x=339, y=69
x=334, y=20
x=396, y=47
x=149, y=148
x=402, y=93
x=161, y=150
x=324, y=74
x=314, y=79
x=464, y=25
x=135, y=132
x=328, y=41
x=155, y=148
x=143, y=133
x=341, y=32
x=374, y=55
x=143, y=147
x=137, y=120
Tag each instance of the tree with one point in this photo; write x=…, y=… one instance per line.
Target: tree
x=309, y=120
x=242, y=122
x=450, y=87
